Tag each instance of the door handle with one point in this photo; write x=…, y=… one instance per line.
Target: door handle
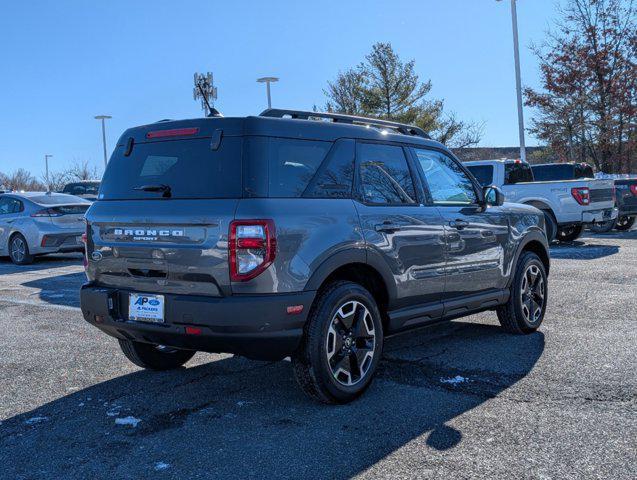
x=387, y=227
x=458, y=224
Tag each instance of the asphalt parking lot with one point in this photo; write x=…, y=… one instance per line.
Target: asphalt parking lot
x=460, y=400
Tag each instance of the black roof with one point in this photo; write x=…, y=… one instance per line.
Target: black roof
x=277, y=126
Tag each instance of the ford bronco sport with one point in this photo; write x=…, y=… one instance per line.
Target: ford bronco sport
x=300, y=234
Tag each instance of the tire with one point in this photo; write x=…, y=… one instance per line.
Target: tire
x=19, y=250
x=569, y=234
x=602, y=227
x=524, y=311
x=154, y=357
x=624, y=223
x=551, y=225
x=342, y=344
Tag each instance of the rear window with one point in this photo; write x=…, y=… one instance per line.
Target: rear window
x=71, y=209
x=547, y=173
x=191, y=168
x=483, y=173
x=281, y=167
x=56, y=199
x=517, y=172
x=584, y=171
x=82, y=188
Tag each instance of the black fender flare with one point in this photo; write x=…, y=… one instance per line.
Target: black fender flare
x=537, y=236
x=363, y=255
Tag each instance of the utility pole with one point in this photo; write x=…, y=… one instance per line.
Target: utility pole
x=102, y=118
x=268, y=81
x=518, y=81
x=46, y=165
x=205, y=91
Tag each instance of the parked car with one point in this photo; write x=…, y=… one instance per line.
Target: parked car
x=279, y=235
x=86, y=189
x=544, y=172
x=568, y=205
x=35, y=223
x=626, y=201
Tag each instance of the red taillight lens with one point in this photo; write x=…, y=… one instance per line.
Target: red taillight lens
x=252, y=248
x=176, y=132
x=633, y=189
x=581, y=195
x=47, y=212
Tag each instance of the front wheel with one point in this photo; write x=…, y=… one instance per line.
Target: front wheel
x=154, y=357
x=569, y=234
x=524, y=311
x=624, y=223
x=342, y=344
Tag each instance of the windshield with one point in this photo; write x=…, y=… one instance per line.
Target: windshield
x=190, y=168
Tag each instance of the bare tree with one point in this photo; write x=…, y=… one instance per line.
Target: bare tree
x=20, y=179
x=80, y=170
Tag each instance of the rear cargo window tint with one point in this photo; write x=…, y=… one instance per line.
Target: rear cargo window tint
x=281, y=167
x=189, y=167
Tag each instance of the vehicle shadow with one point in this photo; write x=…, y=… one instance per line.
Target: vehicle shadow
x=234, y=418
x=41, y=262
x=58, y=289
x=579, y=250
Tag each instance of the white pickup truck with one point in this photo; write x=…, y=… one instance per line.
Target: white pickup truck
x=568, y=205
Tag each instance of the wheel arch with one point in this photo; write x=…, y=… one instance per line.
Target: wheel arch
x=534, y=242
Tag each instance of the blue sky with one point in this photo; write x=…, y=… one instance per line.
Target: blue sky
x=64, y=62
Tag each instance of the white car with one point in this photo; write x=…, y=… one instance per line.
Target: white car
x=36, y=223
x=568, y=205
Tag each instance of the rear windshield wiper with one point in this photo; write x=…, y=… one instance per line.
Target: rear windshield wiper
x=161, y=187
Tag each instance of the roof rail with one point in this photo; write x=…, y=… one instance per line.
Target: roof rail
x=350, y=119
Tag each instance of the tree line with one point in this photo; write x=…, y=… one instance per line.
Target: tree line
x=22, y=179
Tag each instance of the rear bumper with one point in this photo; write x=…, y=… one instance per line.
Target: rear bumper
x=627, y=210
x=58, y=242
x=597, y=216
x=255, y=326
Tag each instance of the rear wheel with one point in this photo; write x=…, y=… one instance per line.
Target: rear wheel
x=624, y=223
x=154, y=357
x=569, y=234
x=19, y=250
x=342, y=344
x=602, y=227
x=524, y=311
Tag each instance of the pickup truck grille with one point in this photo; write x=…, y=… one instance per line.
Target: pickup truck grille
x=601, y=195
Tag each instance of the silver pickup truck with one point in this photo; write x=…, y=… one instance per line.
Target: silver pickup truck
x=568, y=205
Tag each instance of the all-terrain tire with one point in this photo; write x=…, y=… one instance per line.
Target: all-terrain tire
x=312, y=368
x=512, y=315
x=602, y=227
x=154, y=357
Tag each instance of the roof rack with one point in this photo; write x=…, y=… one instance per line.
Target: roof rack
x=350, y=119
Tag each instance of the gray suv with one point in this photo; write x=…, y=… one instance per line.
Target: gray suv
x=300, y=234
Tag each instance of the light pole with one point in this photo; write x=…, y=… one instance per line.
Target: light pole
x=46, y=165
x=268, y=81
x=518, y=82
x=102, y=118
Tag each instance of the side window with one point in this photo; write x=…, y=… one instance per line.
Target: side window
x=517, y=172
x=482, y=173
x=384, y=174
x=334, y=178
x=10, y=205
x=448, y=183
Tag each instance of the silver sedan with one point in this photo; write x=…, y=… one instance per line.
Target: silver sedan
x=35, y=223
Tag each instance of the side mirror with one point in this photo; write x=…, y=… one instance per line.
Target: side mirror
x=493, y=196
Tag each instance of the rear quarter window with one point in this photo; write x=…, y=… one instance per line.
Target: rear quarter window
x=281, y=167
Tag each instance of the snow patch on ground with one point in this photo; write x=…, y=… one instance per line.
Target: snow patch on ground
x=458, y=379
x=132, y=421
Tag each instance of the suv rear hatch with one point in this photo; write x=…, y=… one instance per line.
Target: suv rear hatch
x=164, y=208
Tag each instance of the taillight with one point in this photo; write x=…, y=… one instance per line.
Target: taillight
x=252, y=248
x=47, y=212
x=581, y=195
x=633, y=189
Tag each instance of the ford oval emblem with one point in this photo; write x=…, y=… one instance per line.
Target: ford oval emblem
x=96, y=256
